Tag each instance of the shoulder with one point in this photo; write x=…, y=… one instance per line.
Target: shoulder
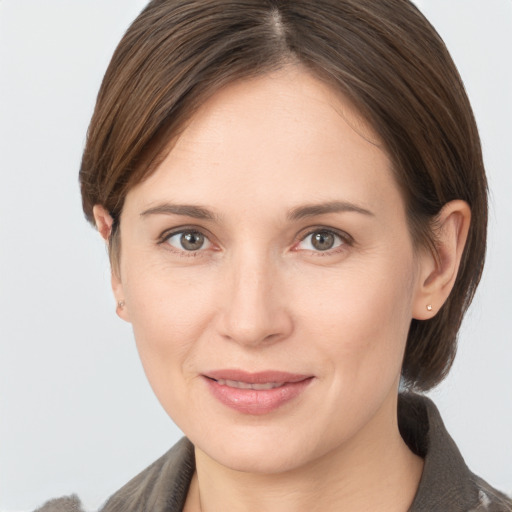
x=490, y=499
x=161, y=487
x=65, y=504
x=447, y=483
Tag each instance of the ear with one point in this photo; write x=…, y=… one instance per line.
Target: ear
x=103, y=221
x=104, y=224
x=438, y=271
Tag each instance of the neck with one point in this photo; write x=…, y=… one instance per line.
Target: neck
x=374, y=471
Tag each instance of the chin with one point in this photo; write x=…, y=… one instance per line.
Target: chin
x=264, y=450
x=264, y=462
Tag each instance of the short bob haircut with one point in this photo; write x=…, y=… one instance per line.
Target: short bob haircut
x=384, y=56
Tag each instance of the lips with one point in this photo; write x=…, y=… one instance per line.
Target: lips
x=255, y=393
x=247, y=385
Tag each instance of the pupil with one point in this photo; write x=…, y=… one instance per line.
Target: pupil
x=192, y=241
x=323, y=241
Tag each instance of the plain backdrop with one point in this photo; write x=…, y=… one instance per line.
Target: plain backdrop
x=76, y=413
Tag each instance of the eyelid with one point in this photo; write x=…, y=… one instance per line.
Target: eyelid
x=169, y=233
x=344, y=236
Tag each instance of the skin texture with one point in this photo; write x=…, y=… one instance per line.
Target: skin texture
x=258, y=295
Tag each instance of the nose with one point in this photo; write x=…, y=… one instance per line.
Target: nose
x=254, y=310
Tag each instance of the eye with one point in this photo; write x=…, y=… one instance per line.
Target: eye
x=321, y=240
x=189, y=240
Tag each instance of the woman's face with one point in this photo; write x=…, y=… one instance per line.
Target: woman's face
x=270, y=277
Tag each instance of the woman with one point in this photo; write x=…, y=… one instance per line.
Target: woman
x=294, y=202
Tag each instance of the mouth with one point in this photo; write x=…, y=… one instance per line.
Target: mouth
x=247, y=385
x=256, y=393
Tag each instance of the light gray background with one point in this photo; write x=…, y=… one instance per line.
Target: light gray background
x=76, y=413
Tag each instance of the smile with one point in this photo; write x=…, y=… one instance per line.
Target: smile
x=247, y=385
x=255, y=393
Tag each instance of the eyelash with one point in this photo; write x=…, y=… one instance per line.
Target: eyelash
x=344, y=239
x=167, y=235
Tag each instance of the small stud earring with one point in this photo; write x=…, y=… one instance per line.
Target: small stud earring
x=429, y=307
x=120, y=304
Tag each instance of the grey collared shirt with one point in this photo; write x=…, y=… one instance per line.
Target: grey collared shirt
x=446, y=485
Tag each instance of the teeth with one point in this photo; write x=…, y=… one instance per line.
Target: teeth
x=248, y=385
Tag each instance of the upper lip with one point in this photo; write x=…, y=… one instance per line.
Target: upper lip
x=255, y=377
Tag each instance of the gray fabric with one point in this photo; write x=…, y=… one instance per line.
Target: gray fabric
x=447, y=485
x=67, y=504
x=162, y=487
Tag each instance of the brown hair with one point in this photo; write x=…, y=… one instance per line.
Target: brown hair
x=383, y=55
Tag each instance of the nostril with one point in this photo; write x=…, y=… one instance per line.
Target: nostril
x=253, y=312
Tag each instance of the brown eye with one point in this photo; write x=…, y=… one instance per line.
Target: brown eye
x=192, y=241
x=321, y=240
x=188, y=241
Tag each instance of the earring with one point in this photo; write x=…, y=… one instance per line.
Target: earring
x=429, y=307
x=120, y=304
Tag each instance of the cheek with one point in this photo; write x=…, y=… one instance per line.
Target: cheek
x=357, y=322
x=360, y=315
x=169, y=312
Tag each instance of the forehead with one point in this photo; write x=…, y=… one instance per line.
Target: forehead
x=286, y=134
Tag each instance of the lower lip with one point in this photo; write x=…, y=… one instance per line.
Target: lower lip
x=255, y=401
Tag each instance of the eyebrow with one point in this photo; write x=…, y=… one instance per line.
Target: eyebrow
x=312, y=210
x=298, y=213
x=186, y=210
